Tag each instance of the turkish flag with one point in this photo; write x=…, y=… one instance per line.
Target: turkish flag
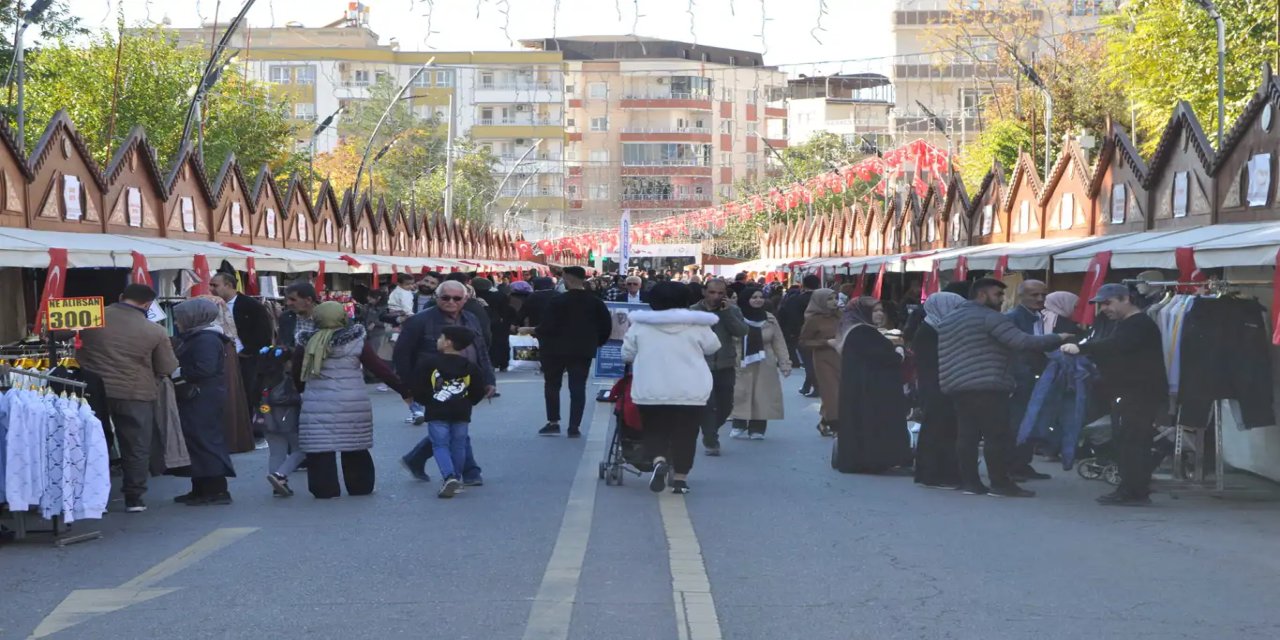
x=879, y=290
x=1094, y=277
x=251, y=279
x=861, y=285
x=200, y=264
x=55, y=283
x=374, y=267
x=1002, y=266
x=932, y=282
x=1185, y=257
x=140, y=274
x=320, y=278
x=962, y=268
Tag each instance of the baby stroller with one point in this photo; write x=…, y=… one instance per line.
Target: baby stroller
x=1095, y=454
x=626, y=444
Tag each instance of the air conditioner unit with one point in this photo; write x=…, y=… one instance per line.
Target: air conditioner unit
x=519, y=140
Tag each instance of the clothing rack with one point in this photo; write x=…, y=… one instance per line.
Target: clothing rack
x=1198, y=486
x=7, y=370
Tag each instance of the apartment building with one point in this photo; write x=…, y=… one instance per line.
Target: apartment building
x=661, y=126
x=855, y=107
x=510, y=101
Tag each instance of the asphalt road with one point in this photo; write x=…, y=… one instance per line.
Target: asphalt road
x=771, y=544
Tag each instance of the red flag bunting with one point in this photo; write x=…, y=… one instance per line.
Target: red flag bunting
x=1094, y=276
x=140, y=274
x=320, y=278
x=1185, y=258
x=55, y=283
x=1002, y=267
x=200, y=264
x=251, y=277
x=879, y=290
x=962, y=268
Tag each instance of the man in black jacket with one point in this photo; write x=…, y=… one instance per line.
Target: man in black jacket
x=253, y=332
x=575, y=324
x=544, y=289
x=791, y=319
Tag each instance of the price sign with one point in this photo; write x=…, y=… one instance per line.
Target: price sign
x=74, y=314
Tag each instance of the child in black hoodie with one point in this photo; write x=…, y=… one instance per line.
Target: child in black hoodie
x=451, y=385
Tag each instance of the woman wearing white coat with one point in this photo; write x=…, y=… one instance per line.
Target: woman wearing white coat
x=670, y=383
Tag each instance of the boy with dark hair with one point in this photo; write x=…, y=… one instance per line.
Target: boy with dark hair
x=449, y=386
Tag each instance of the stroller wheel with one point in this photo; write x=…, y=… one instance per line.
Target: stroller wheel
x=1112, y=475
x=615, y=475
x=603, y=470
x=1089, y=469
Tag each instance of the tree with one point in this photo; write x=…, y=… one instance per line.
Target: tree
x=54, y=25
x=407, y=158
x=1163, y=51
x=1001, y=141
x=156, y=75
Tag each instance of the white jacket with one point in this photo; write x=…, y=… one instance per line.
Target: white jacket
x=668, y=351
x=400, y=302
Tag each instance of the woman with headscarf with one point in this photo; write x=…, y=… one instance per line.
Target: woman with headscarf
x=202, y=400
x=237, y=419
x=757, y=390
x=936, y=463
x=821, y=326
x=337, y=416
x=1059, y=306
x=872, y=436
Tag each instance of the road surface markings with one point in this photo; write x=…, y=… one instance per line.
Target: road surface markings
x=553, y=606
x=696, y=617
x=82, y=604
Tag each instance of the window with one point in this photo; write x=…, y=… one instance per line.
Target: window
x=982, y=48
x=1258, y=180
x=570, y=90
x=361, y=77
x=422, y=79
x=726, y=192
x=751, y=129
x=733, y=60
x=659, y=154
x=306, y=75
x=726, y=127
x=381, y=76
x=279, y=74
x=753, y=96
x=1067, y=214
x=571, y=122
x=444, y=78
x=1119, y=203
x=600, y=191
x=598, y=90
x=973, y=99
x=726, y=159
x=752, y=162
x=304, y=111
x=486, y=80
x=726, y=94
x=600, y=123
x=571, y=153
x=599, y=156
x=486, y=115
x=571, y=191
x=271, y=223
x=1181, y=194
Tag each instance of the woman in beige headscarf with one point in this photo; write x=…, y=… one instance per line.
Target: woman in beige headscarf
x=236, y=414
x=821, y=326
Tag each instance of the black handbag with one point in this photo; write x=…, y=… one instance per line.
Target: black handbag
x=184, y=391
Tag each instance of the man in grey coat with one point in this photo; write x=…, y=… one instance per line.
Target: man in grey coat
x=731, y=328
x=976, y=346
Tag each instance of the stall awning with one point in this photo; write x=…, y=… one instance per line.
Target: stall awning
x=1219, y=245
x=1029, y=255
x=30, y=248
x=763, y=264
x=946, y=258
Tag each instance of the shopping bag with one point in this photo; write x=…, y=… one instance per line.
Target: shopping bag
x=524, y=354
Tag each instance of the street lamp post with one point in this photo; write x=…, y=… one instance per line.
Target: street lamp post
x=1212, y=10
x=355, y=188
x=1035, y=79
x=20, y=67
x=324, y=124
x=211, y=72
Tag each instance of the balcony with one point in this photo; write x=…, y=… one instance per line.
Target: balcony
x=666, y=134
x=545, y=163
x=665, y=201
x=667, y=100
x=508, y=93
x=527, y=127
x=672, y=168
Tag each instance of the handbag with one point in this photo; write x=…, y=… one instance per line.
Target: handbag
x=185, y=391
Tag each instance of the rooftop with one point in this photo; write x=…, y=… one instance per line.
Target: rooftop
x=634, y=47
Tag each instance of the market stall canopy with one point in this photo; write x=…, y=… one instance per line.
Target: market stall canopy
x=1219, y=245
x=762, y=264
x=30, y=248
x=1030, y=255
x=947, y=257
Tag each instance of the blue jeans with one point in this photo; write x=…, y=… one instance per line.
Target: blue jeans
x=449, y=439
x=422, y=452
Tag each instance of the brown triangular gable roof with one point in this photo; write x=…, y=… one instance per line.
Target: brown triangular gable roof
x=260, y=185
x=1117, y=139
x=1268, y=91
x=1070, y=151
x=41, y=152
x=297, y=186
x=957, y=191
x=993, y=179
x=1183, y=120
x=6, y=138
x=230, y=171
x=187, y=154
x=138, y=138
x=1024, y=168
x=325, y=192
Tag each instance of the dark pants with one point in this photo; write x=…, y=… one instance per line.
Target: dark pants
x=209, y=487
x=751, y=426
x=1134, y=419
x=719, y=405
x=424, y=450
x=553, y=370
x=810, y=378
x=357, y=473
x=500, y=350
x=135, y=426
x=671, y=432
x=1024, y=453
x=983, y=415
x=252, y=392
x=793, y=348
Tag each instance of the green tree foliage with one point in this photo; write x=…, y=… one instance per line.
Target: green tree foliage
x=1163, y=51
x=411, y=169
x=55, y=24
x=1000, y=141
x=155, y=79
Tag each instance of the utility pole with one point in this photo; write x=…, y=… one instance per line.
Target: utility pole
x=324, y=124
x=1212, y=9
x=355, y=187
x=19, y=61
x=448, y=166
x=1034, y=78
x=211, y=73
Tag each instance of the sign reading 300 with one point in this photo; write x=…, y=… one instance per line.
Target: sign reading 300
x=74, y=314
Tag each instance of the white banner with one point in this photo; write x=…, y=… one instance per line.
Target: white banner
x=624, y=240
x=71, y=196
x=133, y=197
x=1259, y=179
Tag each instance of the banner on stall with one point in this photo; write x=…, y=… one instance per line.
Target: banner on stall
x=609, y=362
x=74, y=314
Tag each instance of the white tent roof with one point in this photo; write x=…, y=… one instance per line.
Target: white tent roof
x=946, y=258
x=1219, y=245
x=1030, y=255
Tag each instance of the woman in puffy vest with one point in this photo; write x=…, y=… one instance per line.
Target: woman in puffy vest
x=337, y=416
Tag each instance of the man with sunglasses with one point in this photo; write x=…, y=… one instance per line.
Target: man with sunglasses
x=418, y=337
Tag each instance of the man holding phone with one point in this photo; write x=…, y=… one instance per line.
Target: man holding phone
x=724, y=363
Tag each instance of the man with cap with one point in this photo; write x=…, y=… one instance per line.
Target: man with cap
x=1131, y=361
x=1027, y=367
x=574, y=325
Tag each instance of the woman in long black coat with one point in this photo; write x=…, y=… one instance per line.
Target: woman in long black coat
x=936, y=462
x=872, y=435
x=200, y=354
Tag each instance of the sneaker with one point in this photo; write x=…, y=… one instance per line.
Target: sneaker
x=1118, y=499
x=714, y=452
x=805, y=392
x=658, y=479
x=134, y=505
x=260, y=444
x=738, y=434
x=223, y=498
x=1027, y=473
x=574, y=432
x=976, y=490
x=757, y=436
x=1011, y=491
x=279, y=485
x=382, y=388
x=451, y=486
x=185, y=498
x=418, y=421
x=552, y=429
x=679, y=487
x=474, y=482
x=416, y=473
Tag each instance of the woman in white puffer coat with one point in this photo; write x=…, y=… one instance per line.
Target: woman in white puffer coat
x=670, y=384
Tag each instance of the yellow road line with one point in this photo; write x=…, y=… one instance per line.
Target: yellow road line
x=696, y=616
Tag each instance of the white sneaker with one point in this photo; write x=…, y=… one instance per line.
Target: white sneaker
x=757, y=436
x=382, y=388
x=738, y=434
